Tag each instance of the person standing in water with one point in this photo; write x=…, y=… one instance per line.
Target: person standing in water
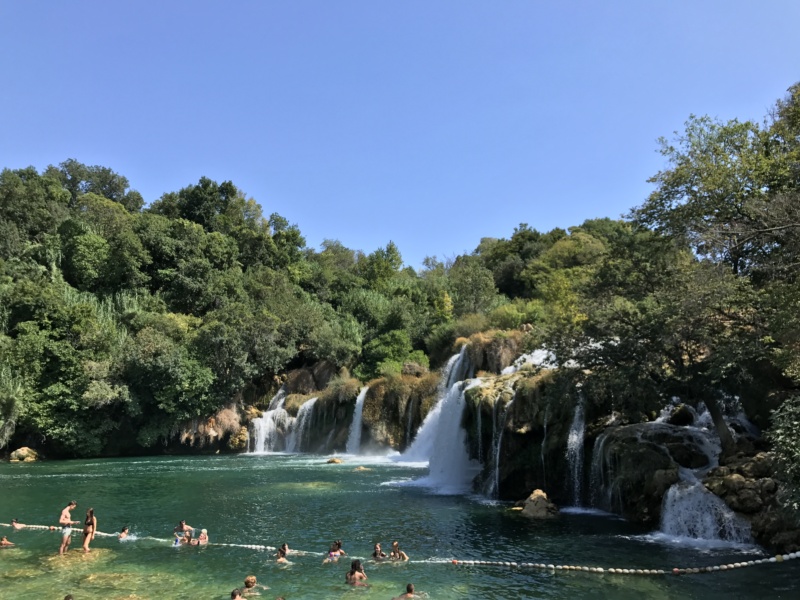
x=377, y=553
x=396, y=553
x=356, y=574
x=66, y=522
x=409, y=592
x=89, y=528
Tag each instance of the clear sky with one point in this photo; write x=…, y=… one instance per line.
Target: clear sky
x=430, y=123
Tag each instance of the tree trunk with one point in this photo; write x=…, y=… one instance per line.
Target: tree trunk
x=725, y=437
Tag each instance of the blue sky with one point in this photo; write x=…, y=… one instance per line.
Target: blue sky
x=429, y=123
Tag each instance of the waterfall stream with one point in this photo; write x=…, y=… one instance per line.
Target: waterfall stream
x=270, y=428
x=354, y=437
x=575, y=453
x=299, y=430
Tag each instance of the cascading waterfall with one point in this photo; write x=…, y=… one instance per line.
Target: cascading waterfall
x=479, y=433
x=269, y=428
x=691, y=511
x=575, y=452
x=299, y=431
x=421, y=448
x=441, y=440
x=354, y=437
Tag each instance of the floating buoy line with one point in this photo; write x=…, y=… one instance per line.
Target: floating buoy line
x=778, y=558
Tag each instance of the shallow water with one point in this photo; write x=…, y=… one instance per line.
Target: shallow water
x=266, y=500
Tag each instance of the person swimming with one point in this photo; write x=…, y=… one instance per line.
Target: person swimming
x=356, y=574
x=17, y=525
x=396, y=553
x=335, y=552
x=377, y=553
x=202, y=539
x=123, y=533
x=409, y=593
x=281, y=556
x=4, y=543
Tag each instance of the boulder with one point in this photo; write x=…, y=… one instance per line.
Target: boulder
x=334, y=461
x=24, y=454
x=682, y=415
x=537, y=506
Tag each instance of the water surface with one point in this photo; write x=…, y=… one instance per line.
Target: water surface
x=266, y=500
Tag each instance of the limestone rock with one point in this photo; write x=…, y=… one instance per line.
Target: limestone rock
x=334, y=461
x=24, y=454
x=238, y=440
x=537, y=506
x=682, y=415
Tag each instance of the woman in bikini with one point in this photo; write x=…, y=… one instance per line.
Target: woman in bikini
x=89, y=529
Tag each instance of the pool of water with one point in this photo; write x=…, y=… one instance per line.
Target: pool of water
x=251, y=500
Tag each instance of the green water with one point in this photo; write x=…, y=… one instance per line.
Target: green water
x=266, y=500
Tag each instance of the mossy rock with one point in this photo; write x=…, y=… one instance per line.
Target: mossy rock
x=24, y=454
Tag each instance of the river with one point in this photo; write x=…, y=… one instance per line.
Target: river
x=265, y=500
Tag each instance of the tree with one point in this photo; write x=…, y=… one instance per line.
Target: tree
x=79, y=179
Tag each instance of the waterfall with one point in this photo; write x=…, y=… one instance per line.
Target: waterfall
x=354, y=437
x=544, y=442
x=479, y=428
x=441, y=441
x=409, y=420
x=450, y=469
x=691, y=511
x=271, y=426
x=575, y=452
x=299, y=431
x=421, y=448
x=600, y=494
x=499, y=428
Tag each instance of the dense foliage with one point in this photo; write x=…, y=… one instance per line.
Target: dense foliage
x=118, y=321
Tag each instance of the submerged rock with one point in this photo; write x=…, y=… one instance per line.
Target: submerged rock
x=538, y=506
x=334, y=461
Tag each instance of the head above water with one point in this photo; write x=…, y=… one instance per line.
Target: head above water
x=72, y=503
x=236, y=594
x=250, y=581
x=410, y=588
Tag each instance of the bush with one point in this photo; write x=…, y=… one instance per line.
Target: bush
x=785, y=437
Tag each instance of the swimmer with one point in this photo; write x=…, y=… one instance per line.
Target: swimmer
x=181, y=528
x=251, y=587
x=202, y=539
x=236, y=593
x=66, y=522
x=4, y=543
x=187, y=538
x=335, y=552
x=409, y=592
x=356, y=574
x=285, y=547
x=17, y=525
x=281, y=556
x=396, y=553
x=124, y=533
x=377, y=553
x=89, y=529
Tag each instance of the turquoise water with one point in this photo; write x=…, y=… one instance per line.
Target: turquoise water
x=301, y=500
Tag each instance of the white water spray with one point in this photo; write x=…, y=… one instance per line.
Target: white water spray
x=299, y=432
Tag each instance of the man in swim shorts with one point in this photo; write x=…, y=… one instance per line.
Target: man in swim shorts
x=66, y=522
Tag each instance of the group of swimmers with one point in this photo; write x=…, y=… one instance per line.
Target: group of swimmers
x=184, y=536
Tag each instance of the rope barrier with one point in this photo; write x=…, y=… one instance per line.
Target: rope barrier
x=778, y=558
